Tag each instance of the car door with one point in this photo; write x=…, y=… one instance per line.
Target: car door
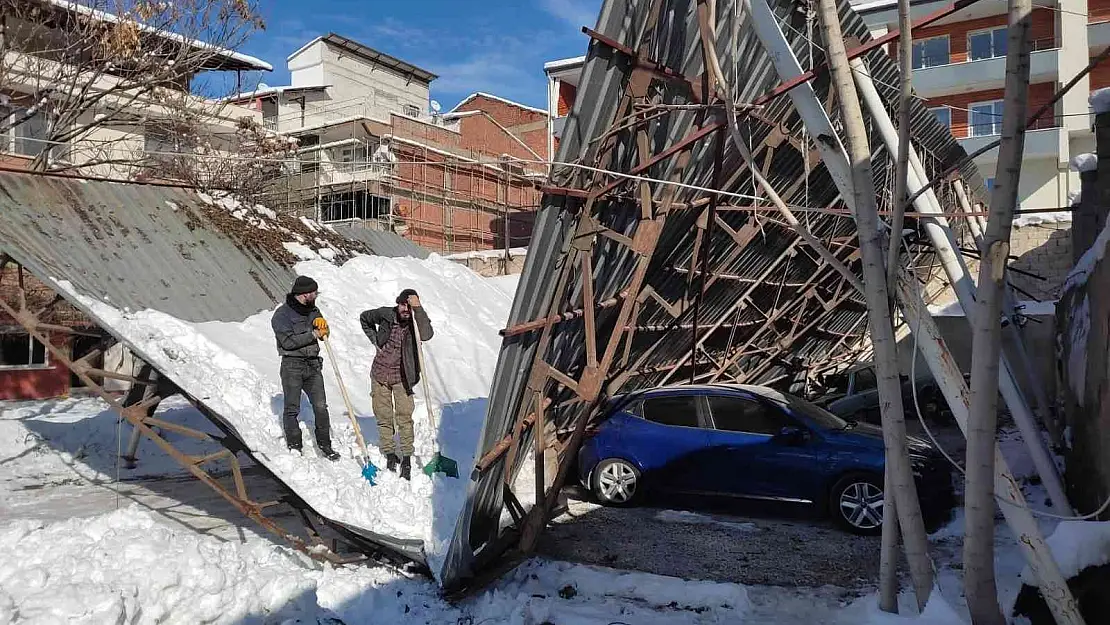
x=668, y=441
x=767, y=463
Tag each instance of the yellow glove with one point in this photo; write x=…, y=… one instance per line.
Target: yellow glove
x=321, y=327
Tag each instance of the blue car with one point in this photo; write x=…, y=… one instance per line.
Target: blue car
x=754, y=443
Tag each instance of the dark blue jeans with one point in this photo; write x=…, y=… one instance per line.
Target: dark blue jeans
x=304, y=374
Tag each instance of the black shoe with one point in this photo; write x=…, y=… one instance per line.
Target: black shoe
x=391, y=462
x=294, y=447
x=329, y=453
x=406, y=468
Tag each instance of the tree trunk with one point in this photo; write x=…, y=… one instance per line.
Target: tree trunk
x=878, y=303
x=981, y=591
x=888, y=560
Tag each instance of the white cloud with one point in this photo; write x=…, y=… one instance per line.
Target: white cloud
x=577, y=13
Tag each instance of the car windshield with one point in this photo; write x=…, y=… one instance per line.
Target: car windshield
x=822, y=417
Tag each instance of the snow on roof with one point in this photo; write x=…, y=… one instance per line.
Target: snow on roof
x=552, y=66
x=1038, y=219
x=516, y=251
x=499, y=99
x=265, y=91
x=249, y=61
x=863, y=6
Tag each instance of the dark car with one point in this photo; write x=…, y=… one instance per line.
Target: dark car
x=754, y=443
x=854, y=396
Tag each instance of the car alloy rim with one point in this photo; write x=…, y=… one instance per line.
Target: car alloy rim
x=618, y=482
x=861, y=504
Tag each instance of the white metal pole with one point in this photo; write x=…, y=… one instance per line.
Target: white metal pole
x=944, y=243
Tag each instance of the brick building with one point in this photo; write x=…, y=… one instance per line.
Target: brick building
x=374, y=149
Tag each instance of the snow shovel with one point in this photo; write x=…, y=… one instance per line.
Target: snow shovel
x=369, y=471
x=438, y=463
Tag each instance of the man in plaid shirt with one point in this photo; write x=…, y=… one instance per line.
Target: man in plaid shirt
x=395, y=373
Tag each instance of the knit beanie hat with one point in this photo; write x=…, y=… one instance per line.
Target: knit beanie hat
x=304, y=284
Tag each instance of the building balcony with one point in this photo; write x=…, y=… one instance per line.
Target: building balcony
x=1044, y=141
x=941, y=80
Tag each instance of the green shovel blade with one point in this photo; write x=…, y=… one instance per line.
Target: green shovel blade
x=441, y=464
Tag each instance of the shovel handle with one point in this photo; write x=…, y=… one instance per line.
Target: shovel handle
x=346, y=398
x=424, y=371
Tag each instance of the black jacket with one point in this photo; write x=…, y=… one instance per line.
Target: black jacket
x=293, y=332
x=379, y=322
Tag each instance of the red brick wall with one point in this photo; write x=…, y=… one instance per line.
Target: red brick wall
x=37, y=383
x=1038, y=95
x=567, y=93
x=14, y=161
x=1098, y=11
x=506, y=114
x=1043, y=32
x=480, y=134
x=1100, y=76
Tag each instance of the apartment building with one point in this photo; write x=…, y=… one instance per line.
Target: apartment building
x=120, y=125
x=374, y=149
x=959, y=69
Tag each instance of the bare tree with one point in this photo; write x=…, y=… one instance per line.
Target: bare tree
x=80, y=77
x=981, y=590
x=904, y=491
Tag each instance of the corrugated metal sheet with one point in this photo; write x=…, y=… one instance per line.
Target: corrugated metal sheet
x=381, y=243
x=141, y=246
x=768, y=273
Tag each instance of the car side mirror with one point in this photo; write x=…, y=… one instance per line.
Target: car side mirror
x=792, y=435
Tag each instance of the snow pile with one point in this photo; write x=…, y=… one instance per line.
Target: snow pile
x=233, y=369
x=128, y=567
x=1039, y=219
x=1076, y=545
x=1084, y=162
x=56, y=440
x=1100, y=100
x=937, y=612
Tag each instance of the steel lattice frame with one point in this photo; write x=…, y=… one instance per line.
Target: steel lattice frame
x=599, y=334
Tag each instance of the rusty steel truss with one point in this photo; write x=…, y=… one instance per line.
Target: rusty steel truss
x=657, y=260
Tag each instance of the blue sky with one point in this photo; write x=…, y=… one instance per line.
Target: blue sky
x=497, y=46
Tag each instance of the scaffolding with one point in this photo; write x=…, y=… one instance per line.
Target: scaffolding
x=410, y=176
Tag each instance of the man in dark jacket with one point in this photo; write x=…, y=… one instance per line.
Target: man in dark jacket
x=395, y=372
x=298, y=325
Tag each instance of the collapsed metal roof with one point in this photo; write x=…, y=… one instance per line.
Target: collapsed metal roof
x=621, y=270
x=170, y=249
x=381, y=242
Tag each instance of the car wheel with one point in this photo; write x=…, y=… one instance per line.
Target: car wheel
x=856, y=504
x=616, y=482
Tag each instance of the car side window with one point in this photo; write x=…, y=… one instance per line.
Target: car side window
x=865, y=380
x=737, y=414
x=680, y=411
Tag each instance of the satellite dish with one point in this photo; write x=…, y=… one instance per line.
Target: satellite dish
x=435, y=106
x=263, y=85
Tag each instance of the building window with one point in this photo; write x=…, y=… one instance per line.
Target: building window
x=986, y=118
x=161, y=141
x=28, y=138
x=19, y=350
x=986, y=44
x=411, y=110
x=943, y=115
x=357, y=205
x=309, y=158
x=930, y=52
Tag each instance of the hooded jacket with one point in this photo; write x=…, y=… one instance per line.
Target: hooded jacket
x=379, y=322
x=292, y=325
